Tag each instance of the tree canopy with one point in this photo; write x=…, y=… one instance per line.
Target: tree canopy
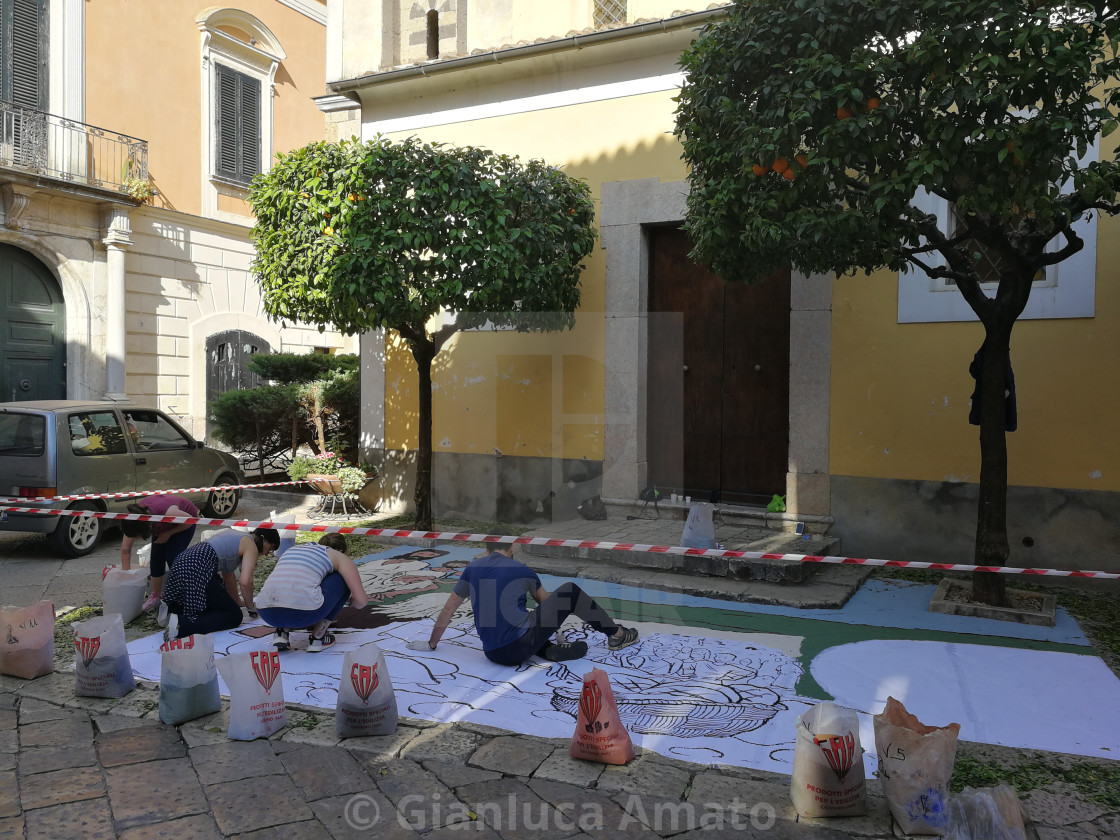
x=814, y=127
x=361, y=235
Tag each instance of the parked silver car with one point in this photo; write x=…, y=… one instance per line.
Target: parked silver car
x=70, y=447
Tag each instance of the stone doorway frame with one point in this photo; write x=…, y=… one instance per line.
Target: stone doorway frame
x=627, y=208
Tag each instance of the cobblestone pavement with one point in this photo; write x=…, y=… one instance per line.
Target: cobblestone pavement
x=73, y=767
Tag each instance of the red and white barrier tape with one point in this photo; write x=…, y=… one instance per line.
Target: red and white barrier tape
x=557, y=542
x=139, y=493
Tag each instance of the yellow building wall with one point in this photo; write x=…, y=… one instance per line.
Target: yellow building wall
x=900, y=392
x=153, y=86
x=537, y=394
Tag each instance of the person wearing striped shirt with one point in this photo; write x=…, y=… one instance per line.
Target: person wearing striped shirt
x=307, y=589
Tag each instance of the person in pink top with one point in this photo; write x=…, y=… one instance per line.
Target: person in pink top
x=169, y=539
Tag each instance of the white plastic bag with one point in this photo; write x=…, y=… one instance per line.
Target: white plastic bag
x=143, y=555
x=367, y=704
x=915, y=766
x=993, y=813
x=256, y=694
x=122, y=592
x=699, y=531
x=101, y=667
x=828, y=779
x=188, y=680
x=27, y=640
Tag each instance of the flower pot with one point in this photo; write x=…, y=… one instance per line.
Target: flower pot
x=326, y=485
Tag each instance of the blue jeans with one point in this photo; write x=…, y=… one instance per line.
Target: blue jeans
x=546, y=619
x=335, y=595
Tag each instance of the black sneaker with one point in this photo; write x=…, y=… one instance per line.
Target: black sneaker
x=565, y=652
x=628, y=637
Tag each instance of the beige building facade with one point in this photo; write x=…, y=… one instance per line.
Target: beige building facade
x=130, y=134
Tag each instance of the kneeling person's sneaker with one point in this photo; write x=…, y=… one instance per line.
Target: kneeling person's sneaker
x=628, y=637
x=320, y=643
x=565, y=652
x=171, y=632
x=280, y=639
x=150, y=604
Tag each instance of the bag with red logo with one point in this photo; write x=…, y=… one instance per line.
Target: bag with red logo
x=256, y=694
x=600, y=735
x=915, y=763
x=123, y=591
x=101, y=664
x=27, y=640
x=188, y=680
x=367, y=704
x=828, y=779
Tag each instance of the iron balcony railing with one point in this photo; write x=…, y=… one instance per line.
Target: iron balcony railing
x=60, y=148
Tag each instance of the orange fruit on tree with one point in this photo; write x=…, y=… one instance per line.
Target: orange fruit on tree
x=781, y=165
x=872, y=103
x=789, y=174
x=759, y=170
x=802, y=161
x=843, y=113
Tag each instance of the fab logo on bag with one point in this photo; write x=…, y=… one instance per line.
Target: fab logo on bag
x=177, y=644
x=591, y=704
x=87, y=648
x=266, y=665
x=839, y=750
x=364, y=679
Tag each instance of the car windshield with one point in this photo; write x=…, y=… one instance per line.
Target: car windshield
x=150, y=430
x=22, y=434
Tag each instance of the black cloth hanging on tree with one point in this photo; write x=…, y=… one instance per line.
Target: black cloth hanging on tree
x=976, y=369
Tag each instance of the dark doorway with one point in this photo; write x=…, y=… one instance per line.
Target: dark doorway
x=718, y=378
x=32, y=330
x=227, y=356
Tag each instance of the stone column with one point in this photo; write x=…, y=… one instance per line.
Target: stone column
x=117, y=237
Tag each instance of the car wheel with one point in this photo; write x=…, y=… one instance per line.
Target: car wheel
x=77, y=536
x=222, y=501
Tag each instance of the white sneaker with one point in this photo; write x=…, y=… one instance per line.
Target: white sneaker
x=161, y=614
x=280, y=639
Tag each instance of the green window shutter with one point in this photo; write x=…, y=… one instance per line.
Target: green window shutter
x=250, y=127
x=237, y=121
x=23, y=53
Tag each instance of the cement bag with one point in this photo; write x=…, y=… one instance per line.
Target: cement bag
x=27, y=640
x=699, y=532
x=986, y=814
x=188, y=680
x=600, y=735
x=256, y=694
x=915, y=765
x=101, y=666
x=828, y=778
x=367, y=704
x=123, y=591
x=287, y=538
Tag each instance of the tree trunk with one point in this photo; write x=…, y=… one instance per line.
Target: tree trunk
x=424, y=352
x=992, y=548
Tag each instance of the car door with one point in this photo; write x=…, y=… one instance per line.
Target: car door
x=167, y=458
x=95, y=456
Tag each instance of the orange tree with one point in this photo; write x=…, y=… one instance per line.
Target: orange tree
x=362, y=235
x=811, y=126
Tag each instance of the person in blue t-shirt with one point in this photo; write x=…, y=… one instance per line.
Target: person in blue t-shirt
x=498, y=587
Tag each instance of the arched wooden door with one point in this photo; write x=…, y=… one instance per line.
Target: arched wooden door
x=227, y=356
x=32, y=329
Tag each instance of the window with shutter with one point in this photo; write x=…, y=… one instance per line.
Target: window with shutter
x=238, y=124
x=23, y=53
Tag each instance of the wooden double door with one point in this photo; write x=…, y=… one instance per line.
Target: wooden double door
x=32, y=330
x=717, y=416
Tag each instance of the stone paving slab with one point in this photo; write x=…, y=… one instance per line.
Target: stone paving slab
x=650, y=777
x=9, y=795
x=442, y=742
x=561, y=767
x=85, y=820
x=44, y=759
x=307, y=830
x=229, y=761
x=57, y=733
x=372, y=816
x=131, y=746
x=258, y=802
x=11, y=828
x=61, y=786
x=511, y=754
x=320, y=772
x=454, y=775
x=154, y=792
x=197, y=827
